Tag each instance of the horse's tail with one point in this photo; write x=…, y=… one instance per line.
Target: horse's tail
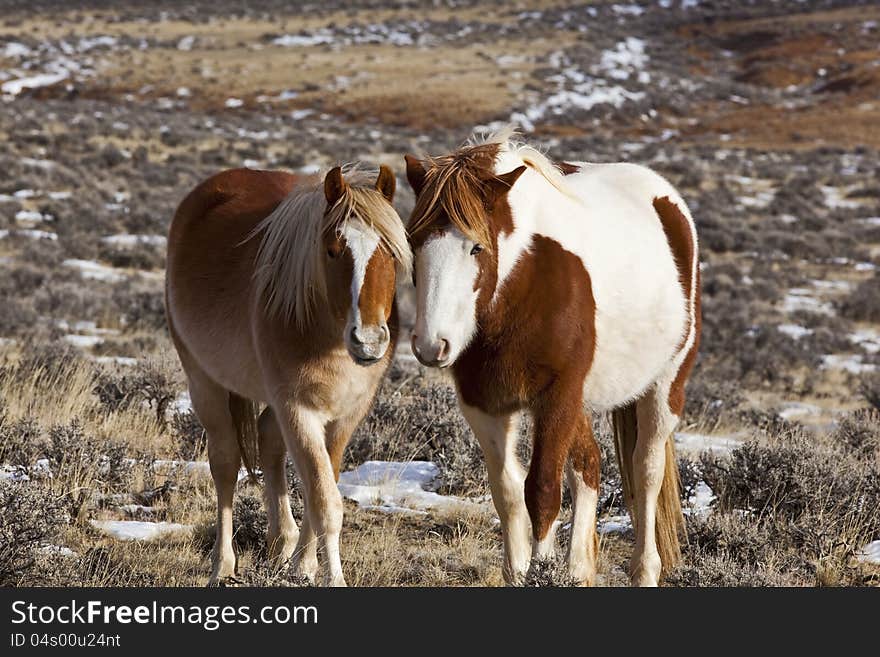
x=245, y=414
x=670, y=519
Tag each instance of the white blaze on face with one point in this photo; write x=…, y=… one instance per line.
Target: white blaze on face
x=361, y=242
x=446, y=300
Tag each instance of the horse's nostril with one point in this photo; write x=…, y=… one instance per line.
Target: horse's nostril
x=444, y=349
x=354, y=337
x=384, y=331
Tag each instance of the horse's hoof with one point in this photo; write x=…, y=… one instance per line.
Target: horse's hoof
x=224, y=582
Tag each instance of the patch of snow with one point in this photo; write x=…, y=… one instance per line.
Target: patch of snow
x=183, y=403
x=15, y=50
x=15, y=87
x=835, y=198
x=296, y=115
x=870, y=553
x=32, y=216
x=867, y=338
x=128, y=241
x=95, y=271
x=848, y=363
x=394, y=485
x=32, y=234
x=832, y=286
x=299, y=40
x=701, y=500
x=83, y=341
x=137, y=530
x=41, y=470
x=614, y=525
x=799, y=298
x=627, y=10
x=626, y=57
x=58, y=550
x=13, y=473
x=186, y=43
x=795, y=331
x=792, y=410
x=90, y=43
x=583, y=97
x=759, y=200
x=117, y=360
x=696, y=443
x=233, y=102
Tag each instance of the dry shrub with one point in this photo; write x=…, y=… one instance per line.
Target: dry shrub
x=150, y=383
x=31, y=517
x=190, y=434
x=250, y=524
x=863, y=303
x=84, y=467
x=416, y=417
x=859, y=432
x=43, y=363
x=790, y=510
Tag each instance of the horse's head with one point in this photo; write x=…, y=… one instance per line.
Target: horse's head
x=461, y=210
x=363, y=244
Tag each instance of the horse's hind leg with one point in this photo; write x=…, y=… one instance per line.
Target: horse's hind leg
x=651, y=471
x=211, y=404
x=498, y=437
x=283, y=534
x=582, y=472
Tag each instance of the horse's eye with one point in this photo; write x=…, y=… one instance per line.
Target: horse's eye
x=477, y=249
x=331, y=253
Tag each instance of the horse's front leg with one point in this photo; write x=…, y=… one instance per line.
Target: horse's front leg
x=498, y=437
x=556, y=419
x=305, y=436
x=305, y=556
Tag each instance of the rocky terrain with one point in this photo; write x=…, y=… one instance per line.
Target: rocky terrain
x=764, y=114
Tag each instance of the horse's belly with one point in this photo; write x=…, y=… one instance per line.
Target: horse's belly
x=639, y=330
x=219, y=344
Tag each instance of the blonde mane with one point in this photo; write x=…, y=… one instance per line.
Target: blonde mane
x=455, y=184
x=289, y=274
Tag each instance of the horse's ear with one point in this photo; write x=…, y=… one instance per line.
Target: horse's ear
x=502, y=183
x=334, y=185
x=415, y=173
x=386, y=182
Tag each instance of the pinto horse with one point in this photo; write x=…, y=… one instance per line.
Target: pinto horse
x=544, y=288
x=280, y=291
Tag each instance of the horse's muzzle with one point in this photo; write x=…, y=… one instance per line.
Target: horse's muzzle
x=431, y=353
x=367, y=345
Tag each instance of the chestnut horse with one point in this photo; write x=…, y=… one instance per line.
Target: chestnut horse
x=546, y=287
x=280, y=291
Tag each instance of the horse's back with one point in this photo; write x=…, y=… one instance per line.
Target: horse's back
x=233, y=195
x=210, y=269
x=634, y=257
